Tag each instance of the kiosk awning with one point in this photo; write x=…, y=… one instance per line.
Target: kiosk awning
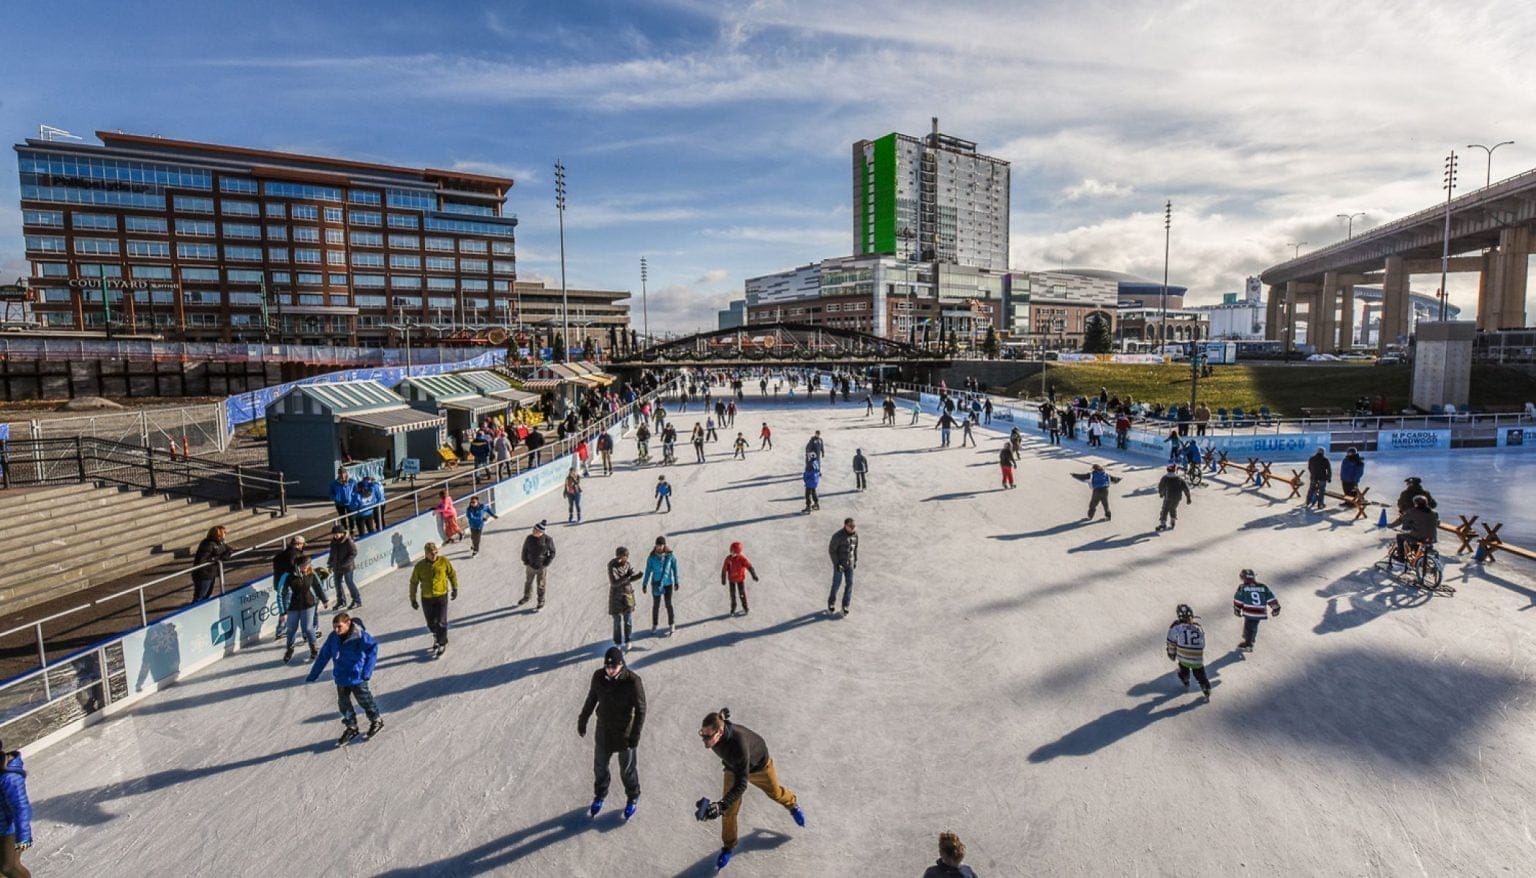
x=475, y=405
x=392, y=421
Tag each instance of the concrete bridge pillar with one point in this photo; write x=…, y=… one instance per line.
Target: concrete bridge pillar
x=1288, y=331
x=1324, y=325
x=1487, y=291
x=1394, y=302
x=1347, y=316
x=1510, y=273
x=1272, y=314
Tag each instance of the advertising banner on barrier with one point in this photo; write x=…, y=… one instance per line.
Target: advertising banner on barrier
x=1516, y=437
x=1269, y=446
x=1413, y=440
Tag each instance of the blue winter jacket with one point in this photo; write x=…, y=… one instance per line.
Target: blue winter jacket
x=660, y=572
x=15, y=807
x=1098, y=479
x=477, y=515
x=355, y=656
x=812, y=477
x=1351, y=469
x=341, y=492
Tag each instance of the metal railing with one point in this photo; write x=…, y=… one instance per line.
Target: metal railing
x=37, y=462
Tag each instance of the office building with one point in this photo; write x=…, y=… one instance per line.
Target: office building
x=732, y=317
x=205, y=242
x=934, y=199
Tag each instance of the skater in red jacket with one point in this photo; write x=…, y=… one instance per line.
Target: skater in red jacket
x=733, y=573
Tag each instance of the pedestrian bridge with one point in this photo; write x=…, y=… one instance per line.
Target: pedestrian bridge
x=782, y=345
x=1490, y=232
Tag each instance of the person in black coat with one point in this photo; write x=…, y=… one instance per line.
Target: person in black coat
x=744, y=755
x=951, y=857
x=1320, y=473
x=211, y=554
x=619, y=698
x=343, y=561
x=284, y=565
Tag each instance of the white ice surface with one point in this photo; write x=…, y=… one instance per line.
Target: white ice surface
x=1002, y=675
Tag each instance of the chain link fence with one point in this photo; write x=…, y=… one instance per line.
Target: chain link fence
x=198, y=428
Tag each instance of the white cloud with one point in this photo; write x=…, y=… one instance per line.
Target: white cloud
x=1090, y=188
x=521, y=174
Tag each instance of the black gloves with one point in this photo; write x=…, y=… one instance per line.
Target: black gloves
x=633, y=742
x=1275, y=611
x=453, y=595
x=581, y=728
x=415, y=605
x=704, y=809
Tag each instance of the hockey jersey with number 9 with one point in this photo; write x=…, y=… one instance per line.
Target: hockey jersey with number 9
x=1186, y=643
x=1255, y=600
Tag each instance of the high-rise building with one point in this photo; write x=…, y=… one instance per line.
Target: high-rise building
x=934, y=199
x=202, y=242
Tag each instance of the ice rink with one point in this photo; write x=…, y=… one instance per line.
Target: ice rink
x=1002, y=675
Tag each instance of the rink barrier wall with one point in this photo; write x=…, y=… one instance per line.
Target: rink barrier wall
x=189, y=640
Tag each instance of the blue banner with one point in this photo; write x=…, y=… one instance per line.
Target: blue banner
x=252, y=406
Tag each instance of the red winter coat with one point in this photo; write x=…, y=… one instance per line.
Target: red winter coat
x=736, y=566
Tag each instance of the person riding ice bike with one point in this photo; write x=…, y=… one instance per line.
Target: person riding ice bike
x=1419, y=525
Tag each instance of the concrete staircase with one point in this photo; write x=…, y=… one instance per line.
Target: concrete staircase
x=67, y=539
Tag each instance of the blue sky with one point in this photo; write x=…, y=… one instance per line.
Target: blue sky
x=714, y=137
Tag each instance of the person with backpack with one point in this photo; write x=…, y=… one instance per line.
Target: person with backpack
x=353, y=653
x=733, y=574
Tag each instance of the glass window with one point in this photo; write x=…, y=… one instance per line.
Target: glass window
x=413, y=198
x=45, y=243
x=333, y=214
x=404, y=242
x=311, y=299
x=244, y=298
x=477, y=284
x=191, y=204
x=501, y=286
x=363, y=196
x=237, y=184
x=275, y=209
x=277, y=232
x=335, y=236
x=242, y=254
x=367, y=239
x=242, y=230
x=305, y=212
x=243, y=275
x=194, y=228
x=52, y=269
x=277, y=254
x=310, y=279
x=405, y=282
x=404, y=221
x=336, y=280
x=283, y=189
x=365, y=218
x=306, y=234
x=94, y=180
x=367, y=280
x=96, y=246
x=282, y=277
x=503, y=266
x=469, y=209
x=145, y=225
x=367, y=260
x=95, y=222
x=502, y=248
x=56, y=296
x=441, y=263
x=335, y=257
x=368, y=301
x=441, y=302
x=401, y=260
x=95, y=270
x=442, y=283
x=200, y=275
x=240, y=208
x=504, y=229
x=161, y=249
x=152, y=272
x=306, y=256
x=471, y=245
x=50, y=218
x=440, y=244
x=475, y=266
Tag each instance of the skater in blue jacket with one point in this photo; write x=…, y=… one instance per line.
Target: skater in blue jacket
x=355, y=653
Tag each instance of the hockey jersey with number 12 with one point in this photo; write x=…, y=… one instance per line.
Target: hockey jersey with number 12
x=1186, y=643
x=1255, y=600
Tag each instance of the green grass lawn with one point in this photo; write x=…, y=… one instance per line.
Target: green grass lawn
x=1285, y=389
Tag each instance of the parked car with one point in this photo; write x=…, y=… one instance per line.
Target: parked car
x=1322, y=358
x=1391, y=359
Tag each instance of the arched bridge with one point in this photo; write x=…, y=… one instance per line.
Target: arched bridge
x=782, y=344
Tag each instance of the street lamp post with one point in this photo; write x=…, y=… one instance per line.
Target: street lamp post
x=1489, y=149
x=1296, y=248
x=1445, y=245
x=1349, y=218
x=565, y=326
x=645, y=311
x=1167, y=238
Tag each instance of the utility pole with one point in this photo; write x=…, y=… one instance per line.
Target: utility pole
x=645, y=310
x=1445, y=247
x=1167, y=239
x=565, y=307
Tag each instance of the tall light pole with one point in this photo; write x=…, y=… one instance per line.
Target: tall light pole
x=1167, y=238
x=1445, y=245
x=1489, y=149
x=1296, y=247
x=1349, y=218
x=645, y=311
x=565, y=305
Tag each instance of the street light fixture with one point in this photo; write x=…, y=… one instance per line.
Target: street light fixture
x=1445, y=248
x=645, y=311
x=1349, y=218
x=565, y=305
x=1489, y=149
x=1296, y=247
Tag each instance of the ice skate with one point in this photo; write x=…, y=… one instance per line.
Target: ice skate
x=798, y=814
x=597, y=805
x=347, y=735
x=288, y=655
x=375, y=727
x=724, y=859
x=1205, y=694
x=629, y=808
